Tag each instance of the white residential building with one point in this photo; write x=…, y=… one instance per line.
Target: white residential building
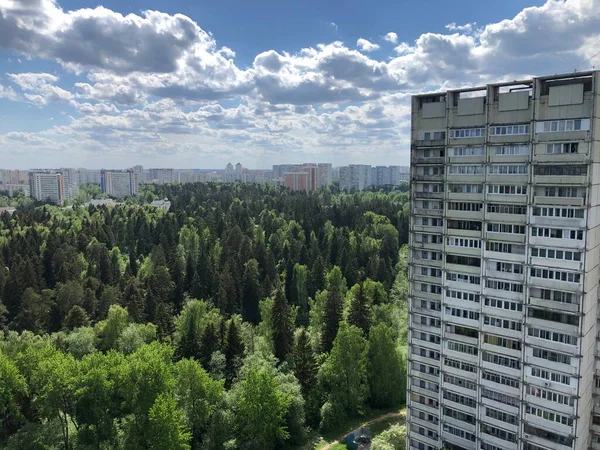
x=504, y=267
x=119, y=183
x=47, y=186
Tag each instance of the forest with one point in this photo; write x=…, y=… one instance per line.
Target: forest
x=246, y=317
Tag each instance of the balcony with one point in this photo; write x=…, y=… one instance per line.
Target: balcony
x=422, y=177
x=507, y=198
x=464, y=215
x=507, y=257
x=508, y=276
x=506, y=218
x=429, y=160
x=557, y=285
x=553, y=180
x=463, y=178
x=557, y=222
x=562, y=158
x=565, y=307
x=428, y=212
x=456, y=232
x=429, y=142
x=558, y=201
x=459, y=196
x=428, y=262
x=428, y=195
x=506, y=237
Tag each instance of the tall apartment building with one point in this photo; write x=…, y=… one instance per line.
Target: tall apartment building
x=119, y=183
x=355, y=177
x=47, y=186
x=504, y=266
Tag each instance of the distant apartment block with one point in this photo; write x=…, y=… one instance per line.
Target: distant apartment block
x=316, y=175
x=12, y=189
x=160, y=176
x=504, y=252
x=47, y=186
x=119, y=183
x=8, y=176
x=355, y=177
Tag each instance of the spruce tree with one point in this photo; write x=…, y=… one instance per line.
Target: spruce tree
x=282, y=327
x=234, y=351
x=360, y=313
x=209, y=343
x=251, y=293
x=334, y=304
x=305, y=364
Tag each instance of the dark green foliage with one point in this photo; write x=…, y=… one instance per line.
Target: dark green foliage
x=87, y=281
x=360, y=313
x=283, y=328
x=334, y=305
x=233, y=351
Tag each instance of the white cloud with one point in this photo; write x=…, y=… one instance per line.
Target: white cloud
x=40, y=88
x=466, y=28
x=153, y=83
x=8, y=93
x=366, y=46
x=391, y=37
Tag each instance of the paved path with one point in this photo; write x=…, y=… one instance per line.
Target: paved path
x=399, y=414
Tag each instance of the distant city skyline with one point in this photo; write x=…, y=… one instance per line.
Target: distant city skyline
x=181, y=84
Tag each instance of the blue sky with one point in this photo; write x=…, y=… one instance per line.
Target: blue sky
x=197, y=84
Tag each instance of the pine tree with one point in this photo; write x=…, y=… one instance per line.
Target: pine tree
x=234, y=351
x=305, y=364
x=209, y=343
x=334, y=304
x=317, y=274
x=282, y=327
x=227, y=292
x=251, y=293
x=360, y=313
x=300, y=294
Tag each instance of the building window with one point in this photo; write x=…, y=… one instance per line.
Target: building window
x=504, y=286
x=551, y=376
x=502, y=323
x=467, y=151
x=556, y=148
x=507, y=189
x=501, y=208
x=503, y=304
x=505, y=228
x=548, y=355
x=550, y=396
x=498, y=341
x=562, y=213
x=465, y=188
x=553, y=126
x=498, y=378
x=467, y=133
x=500, y=397
x=558, y=275
x=500, y=360
x=463, y=278
x=549, y=415
x=469, y=296
x=561, y=171
x=553, y=336
x=470, y=169
x=507, y=169
x=464, y=206
x=508, y=130
x=552, y=253
x=511, y=150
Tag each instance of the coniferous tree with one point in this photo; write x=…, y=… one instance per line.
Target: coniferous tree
x=334, y=304
x=209, y=343
x=305, y=364
x=133, y=300
x=227, y=292
x=300, y=294
x=283, y=331
x=234, y=351
x=360, y=313
x=251, y=293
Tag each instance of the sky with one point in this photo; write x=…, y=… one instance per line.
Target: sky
x=199, y=84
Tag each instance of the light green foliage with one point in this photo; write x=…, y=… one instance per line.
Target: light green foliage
x=385, y=368
x=166, y=430
x=197, y=395
x=81, y=342
x=260, y=407
x=134, y=336
x=110, y=330
x=344, y=375
x=394, y=438
x=13, y=389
